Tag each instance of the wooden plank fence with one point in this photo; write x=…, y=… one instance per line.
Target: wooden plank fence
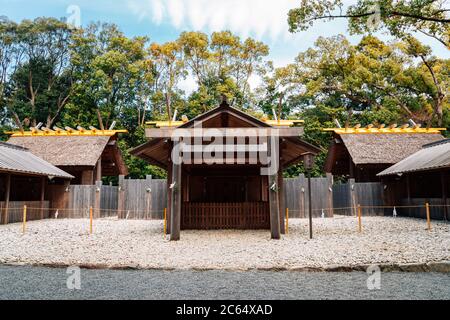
x=347, y=196
x=243, y=215
x=34, y=211
x=147, y=198
x=296, y=196
x=417, y=208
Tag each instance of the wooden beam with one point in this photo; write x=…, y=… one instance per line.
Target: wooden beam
x=176, y=189
x=7, y=196
x=274, y=208
x=281, y=202
x=273, y=196
x=225, y=132
x=98, y=170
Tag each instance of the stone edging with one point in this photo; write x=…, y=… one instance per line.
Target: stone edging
x=441, y=267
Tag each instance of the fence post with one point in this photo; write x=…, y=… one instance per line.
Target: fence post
x=121, y=197
x=330, y=194
x=98, y=197
x=148, y=196
x=287, y=220
x=427, y=206
x=302, y=189
x=352, y=186
x=24, y=221
x=91, y=217
x=359, y=218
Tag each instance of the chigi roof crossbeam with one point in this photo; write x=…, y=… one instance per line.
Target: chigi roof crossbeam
x=383, y=129
x=67, y=131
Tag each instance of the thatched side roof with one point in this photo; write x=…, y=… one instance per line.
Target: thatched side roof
x=15, y=159
x=385, y=148
x=65, y=150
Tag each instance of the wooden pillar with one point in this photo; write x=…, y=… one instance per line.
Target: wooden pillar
x=274, y=208
x=169, y=196
x=7, y=196
x=97, y=203
x=176, y=184
x=351, y=168
x=281, y=200
x=66, y=199
x=121, y=198
x=353, y=200
x=42, y=199
x=98, y=170
x=408, y=194
x=87, y=177
x=302, y=197
x=330, y=195
x=444, y=194
x=148, y=196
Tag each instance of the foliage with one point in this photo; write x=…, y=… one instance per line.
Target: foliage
x=398, y=17
x=57, y=75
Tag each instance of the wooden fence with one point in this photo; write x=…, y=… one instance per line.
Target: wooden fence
x=132, y=199
x=243, y=215
x=35, y=210
x=147, y=198
x=347, y=196
x=417, y=208
x=296, y=196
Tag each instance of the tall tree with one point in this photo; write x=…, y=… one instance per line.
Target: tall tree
x=399, y=17
x=35, y=72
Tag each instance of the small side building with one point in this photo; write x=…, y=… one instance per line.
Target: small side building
x=88, y=155
x=362, y=153
x=26, y=179
x=423, y=177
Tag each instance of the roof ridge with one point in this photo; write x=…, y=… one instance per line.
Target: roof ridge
x=433, y=144
x=13, y=146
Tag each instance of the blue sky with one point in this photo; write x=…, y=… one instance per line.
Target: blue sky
x=163, y=20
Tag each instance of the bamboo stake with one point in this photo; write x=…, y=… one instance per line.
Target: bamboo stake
x=24, y=221
x=359, y=219
x=91, y=215
x=287, y=220
x=427, y=206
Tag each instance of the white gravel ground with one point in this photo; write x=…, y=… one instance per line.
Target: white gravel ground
x=141, y=244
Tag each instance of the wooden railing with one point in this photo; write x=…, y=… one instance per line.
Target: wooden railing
x=245, y=215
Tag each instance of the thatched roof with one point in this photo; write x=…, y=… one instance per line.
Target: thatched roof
x=385, y=148
x=65, y=150
x=373, y=149
x=431, y=157
x=15, y=159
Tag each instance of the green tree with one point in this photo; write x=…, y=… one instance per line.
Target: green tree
x=398, y=17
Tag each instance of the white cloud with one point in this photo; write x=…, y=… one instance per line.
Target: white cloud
x=259, y=18
x=188, y=85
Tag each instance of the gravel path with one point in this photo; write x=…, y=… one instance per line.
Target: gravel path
x=47, y=283
x=117, y=243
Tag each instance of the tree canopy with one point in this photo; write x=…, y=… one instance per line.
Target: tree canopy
x=53, y=74
x=398, y=17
